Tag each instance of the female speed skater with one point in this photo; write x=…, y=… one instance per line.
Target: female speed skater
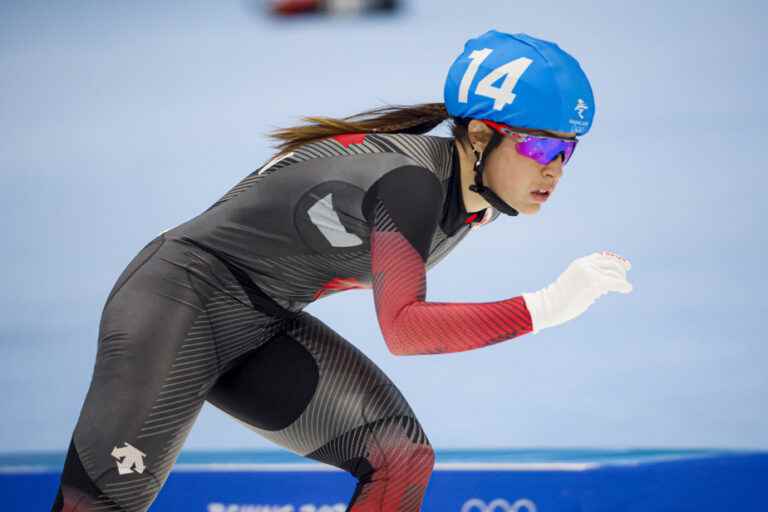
x=212, y=309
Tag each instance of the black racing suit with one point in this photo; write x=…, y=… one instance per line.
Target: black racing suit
x=213, y=310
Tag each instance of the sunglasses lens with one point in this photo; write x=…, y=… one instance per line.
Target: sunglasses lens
x=570, y=146
x=544, y=149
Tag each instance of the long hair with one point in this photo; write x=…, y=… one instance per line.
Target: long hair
x=414, y=119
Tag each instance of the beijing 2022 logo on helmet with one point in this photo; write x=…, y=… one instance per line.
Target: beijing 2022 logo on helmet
x=498, y=505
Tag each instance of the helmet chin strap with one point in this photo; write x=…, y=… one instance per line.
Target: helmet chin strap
x=478, y=187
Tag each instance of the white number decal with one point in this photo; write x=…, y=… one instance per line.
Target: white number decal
x=477, y=56
x=511, y=71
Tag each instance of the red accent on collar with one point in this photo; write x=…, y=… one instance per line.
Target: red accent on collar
x=350, y=138
x=470, y=218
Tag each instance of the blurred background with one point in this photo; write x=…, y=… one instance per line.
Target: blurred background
x=121, y=119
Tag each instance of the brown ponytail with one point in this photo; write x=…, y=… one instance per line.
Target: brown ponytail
x=415, y=119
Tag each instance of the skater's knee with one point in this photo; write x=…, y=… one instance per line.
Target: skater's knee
x=399, y=460
x=420, y=461
x=393, y=446
x=394, y=478
x=424, y=457
x=402, y=446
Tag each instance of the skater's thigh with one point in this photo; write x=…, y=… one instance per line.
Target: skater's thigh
x=308, y=386
x=166, y=333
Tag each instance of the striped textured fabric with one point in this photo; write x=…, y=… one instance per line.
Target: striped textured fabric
x=409, y=324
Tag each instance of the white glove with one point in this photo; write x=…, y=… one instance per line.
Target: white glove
x=584, y=281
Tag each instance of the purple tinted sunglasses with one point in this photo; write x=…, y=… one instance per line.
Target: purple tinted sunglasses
x=541, y=149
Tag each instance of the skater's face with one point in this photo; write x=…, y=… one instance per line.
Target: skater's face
x=517, y=178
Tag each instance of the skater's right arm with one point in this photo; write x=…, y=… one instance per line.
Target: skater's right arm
x=403, y=209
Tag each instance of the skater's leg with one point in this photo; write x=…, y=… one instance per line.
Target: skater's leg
x=172, y=324
x=313, y=392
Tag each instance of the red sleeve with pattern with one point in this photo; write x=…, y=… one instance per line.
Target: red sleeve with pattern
x=400, y=238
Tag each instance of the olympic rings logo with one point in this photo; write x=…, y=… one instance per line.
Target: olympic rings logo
x=498, y=505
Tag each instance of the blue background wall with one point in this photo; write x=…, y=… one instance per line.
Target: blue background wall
x=119, y=120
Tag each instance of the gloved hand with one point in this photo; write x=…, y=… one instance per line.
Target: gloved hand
x=584, y=281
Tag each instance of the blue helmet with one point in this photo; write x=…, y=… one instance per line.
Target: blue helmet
x=521, y=81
